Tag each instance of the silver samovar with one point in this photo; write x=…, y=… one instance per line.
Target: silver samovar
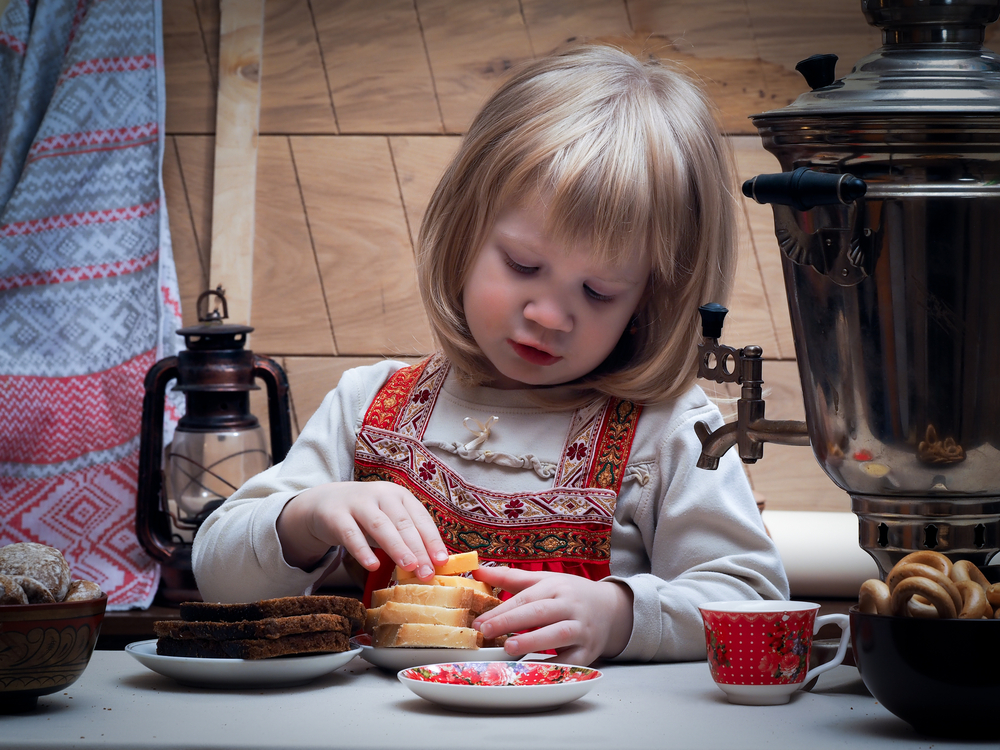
x=887, y=214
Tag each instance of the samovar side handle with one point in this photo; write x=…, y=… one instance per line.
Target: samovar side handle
x=751, y=430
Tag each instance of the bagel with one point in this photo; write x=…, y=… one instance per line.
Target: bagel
x=905, y=571
x=928, y=557
x=993, y=594
x=921, y=608
x=963, y=570
x=875, y=598
x=933, y=592
x=974, y=604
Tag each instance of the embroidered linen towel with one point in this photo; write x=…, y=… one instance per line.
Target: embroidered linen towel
x=88, y=290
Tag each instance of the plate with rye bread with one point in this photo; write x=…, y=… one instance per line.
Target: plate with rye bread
x=413, y=622
x=270, y=643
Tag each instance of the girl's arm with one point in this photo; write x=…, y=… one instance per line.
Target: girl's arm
x=689, y=536
x=686, y=537
x=239, y=554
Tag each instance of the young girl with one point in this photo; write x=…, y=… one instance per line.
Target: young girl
x=562, y=261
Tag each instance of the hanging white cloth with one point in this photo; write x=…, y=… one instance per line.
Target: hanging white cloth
x=88, y=289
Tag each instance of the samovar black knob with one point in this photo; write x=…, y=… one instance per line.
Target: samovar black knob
x=818, y=70
x=712, y=316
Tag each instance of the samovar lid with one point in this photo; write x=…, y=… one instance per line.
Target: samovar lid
x=932, y=61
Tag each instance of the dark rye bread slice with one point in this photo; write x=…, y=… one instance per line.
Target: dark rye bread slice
x=286, y=606
x=260, y=648
x=269, y=627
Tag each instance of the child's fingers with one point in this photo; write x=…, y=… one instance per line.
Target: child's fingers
x=427, y=529
x=355, y=542
x=519, y=613
x=563, y=635
x=509, y=579
x=396, y=535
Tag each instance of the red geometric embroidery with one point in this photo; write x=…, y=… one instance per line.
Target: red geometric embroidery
x=13, y=44
x=80, y=273
x=84, y=218
x=82, y=514
x=169, y=301
x=111, y=65
x=94, y=140
x=71, y=416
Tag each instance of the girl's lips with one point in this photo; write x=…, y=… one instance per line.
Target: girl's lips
x=533, y=355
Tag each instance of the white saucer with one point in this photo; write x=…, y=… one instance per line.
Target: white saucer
x=395, y=659
x=500, y=687
x=280, y=671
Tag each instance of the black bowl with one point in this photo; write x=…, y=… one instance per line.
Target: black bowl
x=940, y=676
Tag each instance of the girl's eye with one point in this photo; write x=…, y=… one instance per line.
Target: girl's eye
x=518, y=267
x=597, y=296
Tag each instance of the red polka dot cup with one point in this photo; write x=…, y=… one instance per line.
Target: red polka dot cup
x=758, y=651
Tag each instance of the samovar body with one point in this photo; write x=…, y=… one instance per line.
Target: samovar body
x=894, y=295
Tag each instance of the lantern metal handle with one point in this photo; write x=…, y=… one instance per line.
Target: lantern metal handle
x=151, y=481
x=210, y=315
x=278, y=408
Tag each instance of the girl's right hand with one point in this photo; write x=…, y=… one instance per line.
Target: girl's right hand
x=357, y=515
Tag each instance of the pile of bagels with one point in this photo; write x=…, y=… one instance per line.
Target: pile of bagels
x=927, y=584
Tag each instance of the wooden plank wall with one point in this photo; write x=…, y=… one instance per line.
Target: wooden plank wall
x=363, y=103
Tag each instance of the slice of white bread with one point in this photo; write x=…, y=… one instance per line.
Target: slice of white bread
x=425, y=635
x=453, y=597
x=462, y=581
x=399, y=613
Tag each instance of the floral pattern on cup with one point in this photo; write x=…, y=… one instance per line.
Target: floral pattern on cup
x=758, y=648
x=497, y=673
x=787, y=656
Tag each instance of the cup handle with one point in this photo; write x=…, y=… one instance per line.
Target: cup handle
x=845, y=635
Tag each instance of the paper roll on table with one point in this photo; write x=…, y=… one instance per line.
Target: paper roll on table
x=821, y=552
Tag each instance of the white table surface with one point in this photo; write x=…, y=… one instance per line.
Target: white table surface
x=118, y=703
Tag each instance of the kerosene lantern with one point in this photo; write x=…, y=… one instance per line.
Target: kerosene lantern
x=218, y=443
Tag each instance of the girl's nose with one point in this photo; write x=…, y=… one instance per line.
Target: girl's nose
x=549, y=314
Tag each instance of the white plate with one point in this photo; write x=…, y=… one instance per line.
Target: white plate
x=500, y=687
x=280, y=671
x=395, y=659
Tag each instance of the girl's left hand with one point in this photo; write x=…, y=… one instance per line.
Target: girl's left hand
x=580, y=618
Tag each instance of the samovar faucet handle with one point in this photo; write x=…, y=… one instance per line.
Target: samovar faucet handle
x=751, y=430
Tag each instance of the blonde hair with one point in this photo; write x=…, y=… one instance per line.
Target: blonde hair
x=629, y=158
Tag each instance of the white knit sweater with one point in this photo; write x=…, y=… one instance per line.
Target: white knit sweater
x=682, y=536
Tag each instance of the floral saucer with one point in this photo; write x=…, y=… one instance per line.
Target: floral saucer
x=500, y=687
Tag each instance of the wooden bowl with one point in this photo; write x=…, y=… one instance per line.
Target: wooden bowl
x=44, y=648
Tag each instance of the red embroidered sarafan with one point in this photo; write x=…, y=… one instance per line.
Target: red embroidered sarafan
x=566, y=528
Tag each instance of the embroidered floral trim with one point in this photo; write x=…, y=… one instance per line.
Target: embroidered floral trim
x=505, y=537
x=614, y=444
x=408, y=461
x=572, y=521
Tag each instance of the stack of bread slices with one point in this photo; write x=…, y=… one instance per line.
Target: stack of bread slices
x=261, y=630
x=433, y=614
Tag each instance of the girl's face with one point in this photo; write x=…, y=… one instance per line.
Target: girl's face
x=542, y=312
